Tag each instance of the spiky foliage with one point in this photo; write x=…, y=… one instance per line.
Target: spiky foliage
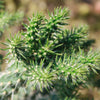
x=48, y=57
x=6, y=20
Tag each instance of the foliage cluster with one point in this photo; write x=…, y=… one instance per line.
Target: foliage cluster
x=7, y=20
x=48, y=57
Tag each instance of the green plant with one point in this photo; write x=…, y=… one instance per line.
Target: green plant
x=7, y=20
x=47, y=57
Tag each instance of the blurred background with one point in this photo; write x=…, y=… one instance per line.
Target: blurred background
x=82, y=12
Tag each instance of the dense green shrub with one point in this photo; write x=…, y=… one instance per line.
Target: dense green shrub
x=47, y=57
